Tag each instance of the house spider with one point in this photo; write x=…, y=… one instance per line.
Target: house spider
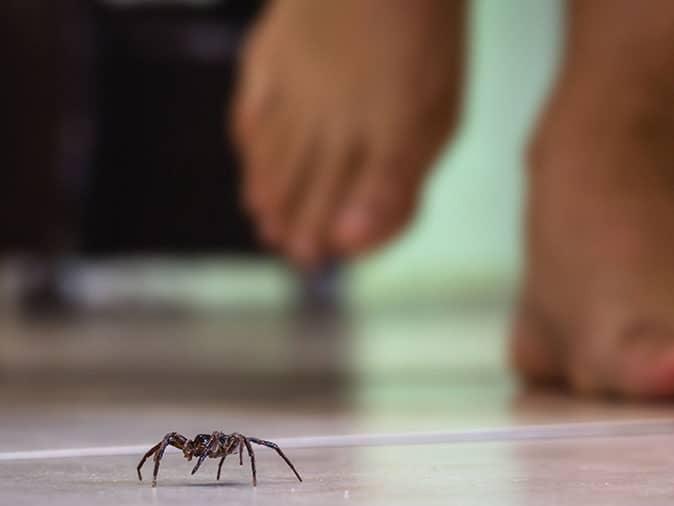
x=216, y=445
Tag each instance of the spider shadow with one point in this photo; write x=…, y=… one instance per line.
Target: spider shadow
x=208, y=484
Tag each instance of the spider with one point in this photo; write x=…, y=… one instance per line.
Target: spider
x=215, y=445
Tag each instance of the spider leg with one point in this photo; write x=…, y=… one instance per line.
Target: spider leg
x=226, y=444
x=251, y=454
x=220, y=466
x=241, y=453
x=145, y=457
x=213, y=439
x=170, y=439
x=278, y=450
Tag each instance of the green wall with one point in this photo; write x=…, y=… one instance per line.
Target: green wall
x=467, y=234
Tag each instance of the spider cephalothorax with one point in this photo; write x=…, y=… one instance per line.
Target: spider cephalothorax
x=215, y=445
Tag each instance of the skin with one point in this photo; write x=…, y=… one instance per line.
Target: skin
x=597, y=309
x=343, y=105
x=335, y=98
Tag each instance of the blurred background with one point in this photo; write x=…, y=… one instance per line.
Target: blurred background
x=128, y=271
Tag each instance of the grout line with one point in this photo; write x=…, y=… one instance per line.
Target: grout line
x=505, y=434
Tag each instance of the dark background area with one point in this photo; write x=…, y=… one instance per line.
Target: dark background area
x=115, y=138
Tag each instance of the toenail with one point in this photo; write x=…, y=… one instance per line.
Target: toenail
x=353, y=226
x=304, y=251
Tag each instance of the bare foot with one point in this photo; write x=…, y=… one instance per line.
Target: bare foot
x=597, y=308
x=341, y=109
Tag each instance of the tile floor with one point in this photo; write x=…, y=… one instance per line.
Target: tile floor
x=443, y=373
